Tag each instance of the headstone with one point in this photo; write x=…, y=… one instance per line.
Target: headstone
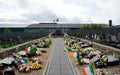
x=112, y=60
x=118, y=36
x=94, y=59
x=100, y=36
x=9, y=71
x=88, y=49
x=107, y=37
x=86, y=60
x=113, y=38
x=7, y=60
x=84, y=45
x=92, y=36
x=103, y=35
x=86, y=36
x=97, y=37
x=17, y=62
x=99, y=65
x=17, y=49
x=96, y=52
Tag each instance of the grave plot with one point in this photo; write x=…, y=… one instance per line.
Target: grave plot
x=90, y=60
x=29, y=61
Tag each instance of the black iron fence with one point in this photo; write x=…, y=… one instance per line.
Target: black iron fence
x=109, y=36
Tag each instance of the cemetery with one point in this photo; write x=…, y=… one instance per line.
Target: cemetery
x=59, y=37
x=60, y=51
x=91, y=60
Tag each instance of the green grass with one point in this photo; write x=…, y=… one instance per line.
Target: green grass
x=8, y=45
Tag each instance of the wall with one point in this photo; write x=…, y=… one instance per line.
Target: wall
x=9, y=51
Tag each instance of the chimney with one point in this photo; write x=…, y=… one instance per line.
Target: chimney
x=110, y=23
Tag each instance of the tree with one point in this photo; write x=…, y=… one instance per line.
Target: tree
x=92, y=26
x=41, y=29
x=7, y=30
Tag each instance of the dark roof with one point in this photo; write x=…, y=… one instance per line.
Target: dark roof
x=55, y=25
x=52, y=25
x=44, y=25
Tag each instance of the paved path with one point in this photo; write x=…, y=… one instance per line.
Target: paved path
x=59, y=63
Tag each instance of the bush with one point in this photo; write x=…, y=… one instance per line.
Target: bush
x=92, y=26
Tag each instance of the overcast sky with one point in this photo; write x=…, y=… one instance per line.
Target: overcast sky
x=68, y=11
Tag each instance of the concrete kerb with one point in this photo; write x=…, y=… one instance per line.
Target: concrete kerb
x=72, y=65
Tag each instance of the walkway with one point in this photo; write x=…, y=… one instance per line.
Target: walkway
x=59, y=63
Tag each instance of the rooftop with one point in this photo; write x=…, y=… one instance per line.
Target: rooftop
x=56, y=25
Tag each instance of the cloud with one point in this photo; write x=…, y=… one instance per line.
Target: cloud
x=72, y=11
x=41, y=17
